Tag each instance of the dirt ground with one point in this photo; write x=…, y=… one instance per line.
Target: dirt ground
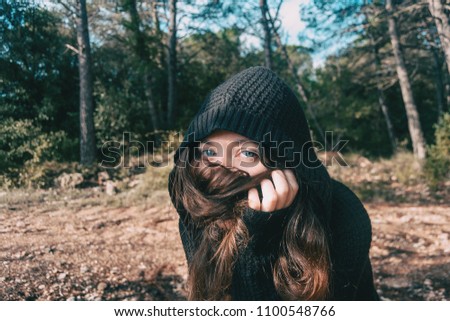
x=97, y=252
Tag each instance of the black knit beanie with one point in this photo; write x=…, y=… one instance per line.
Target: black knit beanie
x=257, y=104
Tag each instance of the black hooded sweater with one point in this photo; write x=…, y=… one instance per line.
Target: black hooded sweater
x=257, y=104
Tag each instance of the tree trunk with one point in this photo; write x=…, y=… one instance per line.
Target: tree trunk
x=443, y=27
x=144, y=60
x=87, y=132
x=161, y=57
x=440, y=88
x=172, y=62
x=385, y=110
x=267, y=33
x=414, y=127
x=447, y=90
x=150, y=101
x=381, y=98
x=158, y=34
x=438, y=75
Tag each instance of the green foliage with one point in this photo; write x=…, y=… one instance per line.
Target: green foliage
x=347, y=108
x=164, y=141
x=41, y=175
x=38, y=96
x=112, y=117
x=39, y=117
x=23, y=141
x=38, y=75
x=23, y=144
x=437, y=166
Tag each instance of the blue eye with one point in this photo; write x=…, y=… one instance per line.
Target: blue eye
x=206, y=151
x=252, y=154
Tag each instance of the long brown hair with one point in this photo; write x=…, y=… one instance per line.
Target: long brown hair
x=215, y=197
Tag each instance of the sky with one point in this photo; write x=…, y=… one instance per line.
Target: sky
x=291, y=21
x=292, y=26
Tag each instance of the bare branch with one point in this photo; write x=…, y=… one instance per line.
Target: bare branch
x=70, y=47
x=68, y=7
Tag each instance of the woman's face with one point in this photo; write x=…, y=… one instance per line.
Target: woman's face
x=233, y=151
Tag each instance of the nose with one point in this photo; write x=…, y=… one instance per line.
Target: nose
x=227, y=161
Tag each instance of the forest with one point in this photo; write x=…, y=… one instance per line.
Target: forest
x=80, y=76
x=75, y=76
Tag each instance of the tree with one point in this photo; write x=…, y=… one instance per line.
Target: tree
x=265, y=18
x=375, y=48
x=414, y=126
x=432, y=45
x=172, y=62
x=87, y=132
x=344, y=21
x=441, y=19
x=144, y=59
x=38, y=78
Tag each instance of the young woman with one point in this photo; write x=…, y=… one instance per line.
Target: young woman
x=260, y=218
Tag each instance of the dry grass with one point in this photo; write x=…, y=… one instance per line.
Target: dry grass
x=395, y=180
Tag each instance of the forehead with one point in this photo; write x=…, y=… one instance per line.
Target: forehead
x=225, y=136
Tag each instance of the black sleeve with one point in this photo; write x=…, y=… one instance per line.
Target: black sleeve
x=366, y=289
x=351, y=232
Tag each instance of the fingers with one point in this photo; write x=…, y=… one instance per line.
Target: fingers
x=253, y=199
x=270, y=197
x=282, y=188
x=278, y=193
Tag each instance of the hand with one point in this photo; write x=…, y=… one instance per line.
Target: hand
x=277, y=195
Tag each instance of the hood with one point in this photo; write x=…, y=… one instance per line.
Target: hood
x=257, y=104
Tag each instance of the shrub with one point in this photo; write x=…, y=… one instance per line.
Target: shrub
x=23, y=145
x=438, y=161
